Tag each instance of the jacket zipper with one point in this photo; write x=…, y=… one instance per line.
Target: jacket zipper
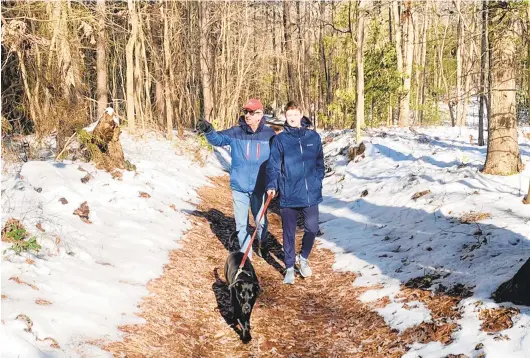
x=303, y=165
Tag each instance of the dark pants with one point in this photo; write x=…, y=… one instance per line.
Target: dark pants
x=289, y=218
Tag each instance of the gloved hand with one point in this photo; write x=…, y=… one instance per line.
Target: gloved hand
x=204, y=126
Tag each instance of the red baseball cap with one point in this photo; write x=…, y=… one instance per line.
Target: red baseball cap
x=253, y=104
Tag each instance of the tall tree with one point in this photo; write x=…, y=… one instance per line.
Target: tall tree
x=166, y=73
x=287, y=38
x=483, y=62
x=205, y=56
x=404, y=110
x=503, y=148
x=459, y=50
x=423, y=63
x=129, y=53
x=399, y=48
x=101, y=61
x=359, y=94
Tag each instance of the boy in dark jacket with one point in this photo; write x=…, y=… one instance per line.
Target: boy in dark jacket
x=296, y=170
x=250, y=148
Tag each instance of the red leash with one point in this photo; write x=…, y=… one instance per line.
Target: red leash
x=249, y=247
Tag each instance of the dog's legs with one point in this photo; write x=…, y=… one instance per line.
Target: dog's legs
x=232, y=305
x=245, y=328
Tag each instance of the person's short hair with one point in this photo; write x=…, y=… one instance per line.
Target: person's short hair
x=292, y=105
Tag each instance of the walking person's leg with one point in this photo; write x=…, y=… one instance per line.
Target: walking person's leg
x=310, y=232
x=257, y=203
x=289, y=216
x=241, y=201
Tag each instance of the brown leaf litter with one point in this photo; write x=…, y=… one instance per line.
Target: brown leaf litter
x=116, y=174
x=187, y=311
x=19, y=281
x=53, y=344
x=86, y=178
x=42, y=302
x=27, y=320
x=497, y=319
x=83, y=211
x=143, y=194
x=420, y=194
x=473, y=217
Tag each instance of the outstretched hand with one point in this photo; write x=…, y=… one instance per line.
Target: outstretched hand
x=204, y=126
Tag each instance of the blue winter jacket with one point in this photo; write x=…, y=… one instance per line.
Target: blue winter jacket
x=250, y=152
x=296, y=166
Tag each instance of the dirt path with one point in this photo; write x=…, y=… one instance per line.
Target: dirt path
x=187, y=311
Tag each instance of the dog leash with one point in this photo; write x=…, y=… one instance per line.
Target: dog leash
x=249, y=247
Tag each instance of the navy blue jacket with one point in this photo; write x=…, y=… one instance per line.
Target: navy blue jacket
x=296, y=166
x=249, y=150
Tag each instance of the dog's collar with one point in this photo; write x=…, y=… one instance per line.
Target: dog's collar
x=239, y=272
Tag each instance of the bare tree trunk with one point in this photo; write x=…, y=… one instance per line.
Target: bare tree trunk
x=101, y=60
x=459, y=49
x=207, y=92
x=289, y=49
x=359, y=102
x=404, y=111
x=399, y=50
x=503, y=156
x=423, y=62
x=129, y=53
x=308, y=46
x=528, y=56
x=167, y=68
x=483, y=58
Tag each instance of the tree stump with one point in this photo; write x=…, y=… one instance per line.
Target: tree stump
x=356, y=151
x=516, y=290
x=102, y=146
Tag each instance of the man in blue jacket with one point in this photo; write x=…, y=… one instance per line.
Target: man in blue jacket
x=250, y=148
x=296, y=170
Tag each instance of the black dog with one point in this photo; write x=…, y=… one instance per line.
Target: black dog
x=244, y=289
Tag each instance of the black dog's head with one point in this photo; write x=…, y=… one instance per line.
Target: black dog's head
x=246, y=294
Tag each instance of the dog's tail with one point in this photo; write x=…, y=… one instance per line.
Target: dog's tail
x=233, y=243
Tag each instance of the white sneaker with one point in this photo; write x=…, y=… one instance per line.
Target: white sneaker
x=303, y=266
x=289, y=276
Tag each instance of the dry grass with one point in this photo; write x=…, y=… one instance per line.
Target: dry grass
x=497, y=319
x=187, y=310
x=473, y=217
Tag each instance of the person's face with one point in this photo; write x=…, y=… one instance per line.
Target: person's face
x=294, y=118
x=252, y=118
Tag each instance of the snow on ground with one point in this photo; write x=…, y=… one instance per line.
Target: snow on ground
x=94, y=275
x=389, y=238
